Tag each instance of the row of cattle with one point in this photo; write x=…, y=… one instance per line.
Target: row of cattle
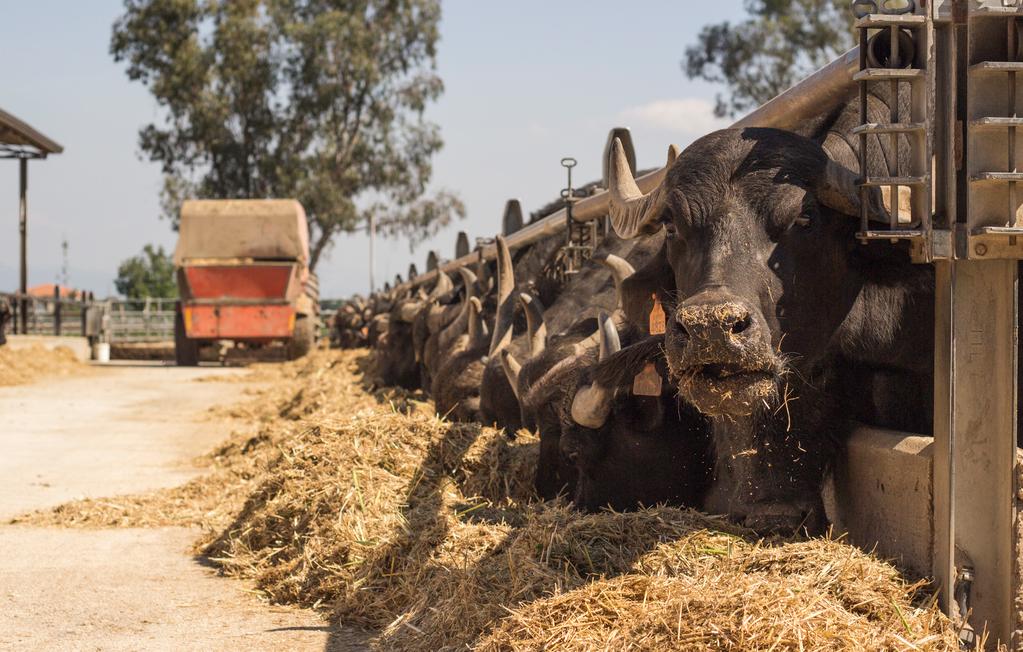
x=713, y=351
x=5, y=316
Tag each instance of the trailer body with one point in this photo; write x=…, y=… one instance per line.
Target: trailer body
x=243, y=275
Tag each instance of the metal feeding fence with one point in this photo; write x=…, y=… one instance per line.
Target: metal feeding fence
x=118, y=321
x=957, y=204
x=139, y=320
x=31, y=315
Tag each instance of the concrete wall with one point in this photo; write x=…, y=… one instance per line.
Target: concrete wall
x=880, y=496
x=78, y=345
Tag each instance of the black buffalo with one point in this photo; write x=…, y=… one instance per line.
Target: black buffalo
x=784, y=325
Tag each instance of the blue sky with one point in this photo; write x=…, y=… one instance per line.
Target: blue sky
x=527, y=82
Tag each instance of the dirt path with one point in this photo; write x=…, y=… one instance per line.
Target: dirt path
x=122, y=429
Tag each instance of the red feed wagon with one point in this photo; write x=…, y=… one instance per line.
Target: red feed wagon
x=243, y=276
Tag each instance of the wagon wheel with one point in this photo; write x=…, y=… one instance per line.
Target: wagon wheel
x=301, y=341
x=186, y=351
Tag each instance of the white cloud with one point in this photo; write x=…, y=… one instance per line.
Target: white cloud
x=692, y=116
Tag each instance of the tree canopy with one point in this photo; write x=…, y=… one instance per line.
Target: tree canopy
x=148, y=275
x=320, y=100
x=780, y=43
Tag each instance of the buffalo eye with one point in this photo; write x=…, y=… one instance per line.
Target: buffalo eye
x=806, y=217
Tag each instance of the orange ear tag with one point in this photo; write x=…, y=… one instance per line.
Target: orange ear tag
x=647, y=382
x=656, y=317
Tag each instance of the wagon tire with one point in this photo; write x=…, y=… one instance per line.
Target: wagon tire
x=301, y=342
x=186, y=351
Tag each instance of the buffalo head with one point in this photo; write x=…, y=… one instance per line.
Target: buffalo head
x=758, y=234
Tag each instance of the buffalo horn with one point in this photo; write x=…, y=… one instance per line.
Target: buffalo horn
x=592, y=404
x=408, y=310
x=442, y=287
x=609, y=341
x=468, y=280
x=535, y=323
x=511, y=368
x=458, y=325
x=620, y=270
x=632, y=212
x=505, y=306
x=838, y=190
x=477, y=329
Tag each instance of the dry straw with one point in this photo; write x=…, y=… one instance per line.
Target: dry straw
x=366, y=505
x=26, y=364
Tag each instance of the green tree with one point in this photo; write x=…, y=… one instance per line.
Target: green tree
x=781, y=42
x=321, y=100
x=148, y=275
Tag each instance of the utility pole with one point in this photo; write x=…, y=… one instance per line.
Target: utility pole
x=23, y=231
x=372, y=242
x=64, y=281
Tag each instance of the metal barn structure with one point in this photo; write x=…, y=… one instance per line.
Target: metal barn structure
x=19, y=141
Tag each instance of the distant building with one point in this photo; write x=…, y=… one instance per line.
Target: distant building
x=46, y=290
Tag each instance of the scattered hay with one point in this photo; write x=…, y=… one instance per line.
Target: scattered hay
x=27, y=364
x=710, y=592
x=367, y=506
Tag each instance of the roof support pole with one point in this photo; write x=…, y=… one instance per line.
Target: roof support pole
x=23, y=232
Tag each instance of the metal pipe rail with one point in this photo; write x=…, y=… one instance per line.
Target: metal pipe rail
x=823, y=90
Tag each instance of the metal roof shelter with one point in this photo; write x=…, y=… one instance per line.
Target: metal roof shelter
x=19, y=140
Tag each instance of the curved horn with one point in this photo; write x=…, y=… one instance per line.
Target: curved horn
x=458, y=325
x=620, y=270
x=442, y=287
x=609, y=341
x=511, y=368
x=435, y=315
x=505, y=306
x=512, y=220
x=592, y=404
x=632, y=212
x=408, y=310
x=535, y=323
x=477, y=329
x=838, y=189
x=462, y=244
x=468, y=280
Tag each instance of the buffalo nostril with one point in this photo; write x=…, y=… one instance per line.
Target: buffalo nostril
x=741, y=324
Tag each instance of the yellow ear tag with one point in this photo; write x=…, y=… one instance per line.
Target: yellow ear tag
x=647, y=382
x=656, y=317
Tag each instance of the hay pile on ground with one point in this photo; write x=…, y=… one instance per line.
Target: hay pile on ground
x=27, y=364
x=366, y=505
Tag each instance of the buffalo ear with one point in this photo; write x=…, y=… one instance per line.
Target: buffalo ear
x=655, y=277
